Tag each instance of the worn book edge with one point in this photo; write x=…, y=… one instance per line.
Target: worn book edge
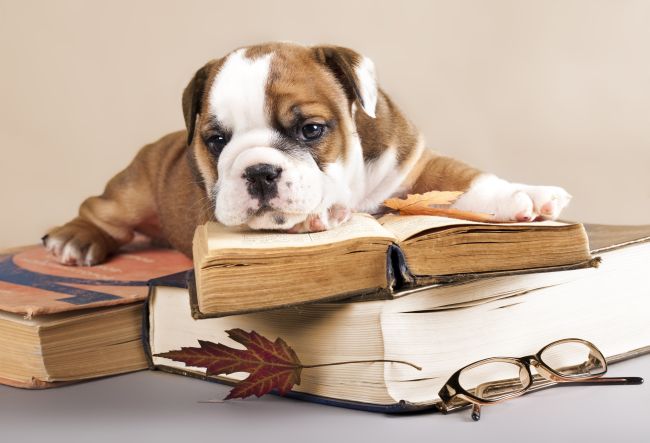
x=35, y=383
x=378, y=293
x=399, y=277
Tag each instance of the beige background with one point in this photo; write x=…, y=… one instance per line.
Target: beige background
x=545, y=92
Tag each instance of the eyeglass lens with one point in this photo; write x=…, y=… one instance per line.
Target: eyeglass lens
x=574, y=358
x=493, y=379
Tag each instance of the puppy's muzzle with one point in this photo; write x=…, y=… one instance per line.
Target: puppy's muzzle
x=262, y=181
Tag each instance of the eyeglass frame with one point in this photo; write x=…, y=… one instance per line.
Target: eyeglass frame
x=452, y=389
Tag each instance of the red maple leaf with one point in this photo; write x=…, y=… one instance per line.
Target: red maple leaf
x=271, y=365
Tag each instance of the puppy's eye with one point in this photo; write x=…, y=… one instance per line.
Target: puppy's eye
x=312, y=131
x=215, y=143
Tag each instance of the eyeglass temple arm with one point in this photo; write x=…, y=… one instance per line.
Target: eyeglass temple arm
x=480, y=390
x=605, y=381
x=476, y=411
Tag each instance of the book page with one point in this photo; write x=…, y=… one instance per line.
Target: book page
x=406, y=226
x=359, y=226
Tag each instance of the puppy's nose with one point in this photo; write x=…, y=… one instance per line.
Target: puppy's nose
x=262, y=180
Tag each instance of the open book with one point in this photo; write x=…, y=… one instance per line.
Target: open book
x=239, y=270
x=440, y=328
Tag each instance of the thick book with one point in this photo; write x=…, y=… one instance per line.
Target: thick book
x=60, y=324
x=369, y=257
x=440, y=328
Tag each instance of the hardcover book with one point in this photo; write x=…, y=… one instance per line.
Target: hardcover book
x=439, y=328
x=376, y=258
x=60, y=324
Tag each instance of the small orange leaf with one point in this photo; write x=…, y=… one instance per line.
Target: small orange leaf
x=414, y=202
x=452, y=213
x=435, y=203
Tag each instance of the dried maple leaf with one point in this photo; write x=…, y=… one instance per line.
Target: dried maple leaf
x=271, y=365
x=435, y=203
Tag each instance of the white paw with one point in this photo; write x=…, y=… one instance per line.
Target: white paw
x=78, y=243
x=513, y=201
x=328, y=219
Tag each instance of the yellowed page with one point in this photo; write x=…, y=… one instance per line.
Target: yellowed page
x=406, y=226
x=360, y=225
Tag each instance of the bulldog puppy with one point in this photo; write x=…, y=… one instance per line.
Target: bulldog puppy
x=285, y=137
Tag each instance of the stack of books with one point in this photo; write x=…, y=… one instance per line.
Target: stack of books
x=60, y=324
x=435, y=292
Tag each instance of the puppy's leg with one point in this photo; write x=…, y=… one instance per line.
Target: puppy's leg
x=489, y=194
x=513, y=201
x=107, y=221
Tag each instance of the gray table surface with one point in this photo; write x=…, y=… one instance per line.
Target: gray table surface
x=147, y=406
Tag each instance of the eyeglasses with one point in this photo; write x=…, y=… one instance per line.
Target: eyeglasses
x=497, y=379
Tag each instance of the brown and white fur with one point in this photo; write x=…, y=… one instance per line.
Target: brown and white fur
x=245, y=158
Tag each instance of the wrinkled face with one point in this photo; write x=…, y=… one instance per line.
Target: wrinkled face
x=274, y=139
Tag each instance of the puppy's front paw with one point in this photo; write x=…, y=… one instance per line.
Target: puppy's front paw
x=548, y=201
x=79, y=243
x=513, y=201
x=333, y=217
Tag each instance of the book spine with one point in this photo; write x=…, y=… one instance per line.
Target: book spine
x=401, y=276
x=146, y=332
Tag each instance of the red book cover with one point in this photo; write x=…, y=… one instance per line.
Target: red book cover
x=34, y=283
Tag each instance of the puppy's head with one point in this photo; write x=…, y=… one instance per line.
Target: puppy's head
x=271, y=131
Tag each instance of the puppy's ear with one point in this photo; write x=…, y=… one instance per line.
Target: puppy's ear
x=192, y=99
x=355, y=72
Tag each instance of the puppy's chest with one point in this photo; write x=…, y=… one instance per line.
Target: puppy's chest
x=375, y=180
